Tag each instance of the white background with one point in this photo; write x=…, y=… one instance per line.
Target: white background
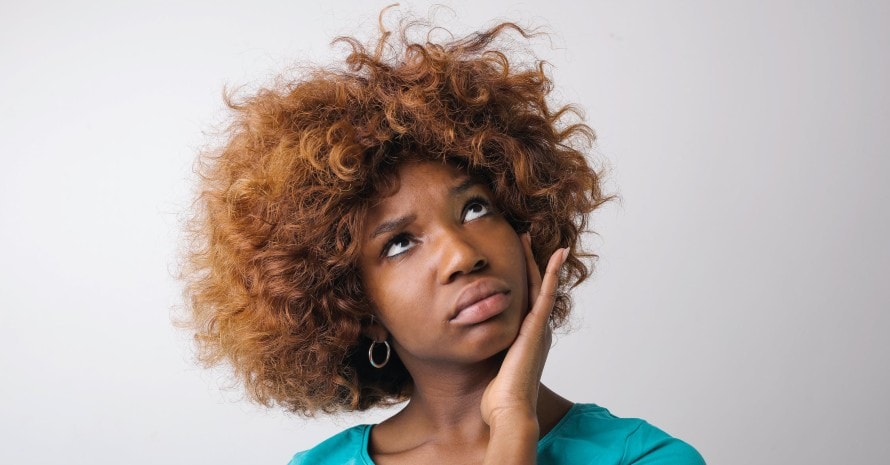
x=741, y=302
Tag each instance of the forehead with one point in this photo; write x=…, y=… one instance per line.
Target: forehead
x=417, y=183
x=425, y=176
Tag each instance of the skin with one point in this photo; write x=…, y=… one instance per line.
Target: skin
x=477, y=392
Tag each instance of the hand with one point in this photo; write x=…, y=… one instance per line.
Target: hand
x=513, y=394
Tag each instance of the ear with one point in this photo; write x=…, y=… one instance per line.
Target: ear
x=375, y=331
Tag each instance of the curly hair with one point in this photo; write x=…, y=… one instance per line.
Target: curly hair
x=271, y=275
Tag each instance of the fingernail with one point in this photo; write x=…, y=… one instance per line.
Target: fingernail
x=565, y=254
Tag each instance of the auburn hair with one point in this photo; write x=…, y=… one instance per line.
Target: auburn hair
x=271, y=274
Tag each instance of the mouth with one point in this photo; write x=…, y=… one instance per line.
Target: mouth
x=479, y=302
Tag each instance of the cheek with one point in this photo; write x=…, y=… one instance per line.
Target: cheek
x=511, y=255
x=514, y=247
x=520, y=266
x=392, y=300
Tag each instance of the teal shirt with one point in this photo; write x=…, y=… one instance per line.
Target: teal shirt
x=588, y=435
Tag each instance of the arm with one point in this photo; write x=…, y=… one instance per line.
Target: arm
x=509, y=404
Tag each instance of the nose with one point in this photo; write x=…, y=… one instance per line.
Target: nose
x=460, y=255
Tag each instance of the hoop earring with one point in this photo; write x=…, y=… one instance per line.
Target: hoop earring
x=371, y=355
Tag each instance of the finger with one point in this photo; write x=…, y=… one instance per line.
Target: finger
x=543, y=305
x=549, y=283
x=531, y=268
x=529, y=351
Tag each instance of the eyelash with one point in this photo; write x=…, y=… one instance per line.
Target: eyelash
x=477, y=200
x=401, y=237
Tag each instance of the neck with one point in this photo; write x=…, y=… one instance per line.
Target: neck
x=444, y=410
x=446, y=399
x=445, y=403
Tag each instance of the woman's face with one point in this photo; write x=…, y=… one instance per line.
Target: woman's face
x=444, y=270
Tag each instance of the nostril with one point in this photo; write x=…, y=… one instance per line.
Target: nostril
x=458, y=256
x=478, y=265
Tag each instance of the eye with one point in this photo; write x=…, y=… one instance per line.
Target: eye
x=397, y=246
x=477, y=207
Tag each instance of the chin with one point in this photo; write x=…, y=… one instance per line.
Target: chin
x=489, y=339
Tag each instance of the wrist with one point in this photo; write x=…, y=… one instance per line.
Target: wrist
x=517, y=424
x=513, y=440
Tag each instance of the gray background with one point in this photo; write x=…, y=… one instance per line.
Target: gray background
x=741, y=302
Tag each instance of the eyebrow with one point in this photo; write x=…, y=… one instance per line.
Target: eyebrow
x=464, y=186
x=393, y=225
x=403, y=221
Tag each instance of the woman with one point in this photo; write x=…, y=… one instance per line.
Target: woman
x=407, y=228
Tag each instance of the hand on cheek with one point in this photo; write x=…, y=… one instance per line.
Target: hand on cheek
x=512, y=395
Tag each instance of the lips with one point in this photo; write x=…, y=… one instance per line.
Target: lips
x=480, y=301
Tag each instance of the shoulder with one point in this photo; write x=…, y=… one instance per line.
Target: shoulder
x=652, y=446
x=591, y=431
x=345, y=448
